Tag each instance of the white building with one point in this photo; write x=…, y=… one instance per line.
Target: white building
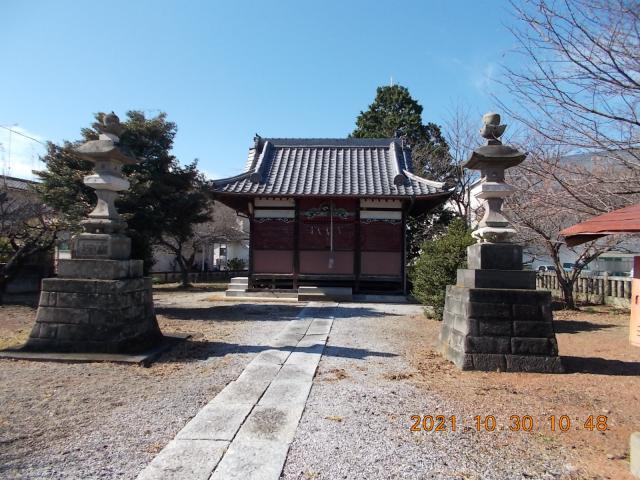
x=224, y=244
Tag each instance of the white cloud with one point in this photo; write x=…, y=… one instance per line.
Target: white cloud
x=483, y=78
x=20, y=155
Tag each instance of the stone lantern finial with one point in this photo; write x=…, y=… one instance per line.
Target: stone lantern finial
x=110, y=126
x=492, y=130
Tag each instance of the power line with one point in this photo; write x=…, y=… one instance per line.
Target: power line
x=23, y=135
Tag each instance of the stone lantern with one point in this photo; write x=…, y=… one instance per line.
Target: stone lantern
x=494, y=319
x=100, y=302
x=104, y=227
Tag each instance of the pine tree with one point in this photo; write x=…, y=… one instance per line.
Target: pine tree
x=395, y=112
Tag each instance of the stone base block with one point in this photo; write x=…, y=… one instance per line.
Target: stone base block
x=336, y=294
x=101, y=245
x=512, y=279
x=95, y=316
x=634, y=454
x=494, y=256
x=499, y=330
x=99, y=269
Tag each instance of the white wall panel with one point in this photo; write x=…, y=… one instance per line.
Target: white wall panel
x=274, y=202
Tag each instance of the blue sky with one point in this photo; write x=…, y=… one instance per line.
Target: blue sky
x=226, y=70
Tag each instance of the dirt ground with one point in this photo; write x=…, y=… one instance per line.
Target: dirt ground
x=15, y=324
x=602, y=379
x=107, y=421
x=69, y=413
x=357, y=422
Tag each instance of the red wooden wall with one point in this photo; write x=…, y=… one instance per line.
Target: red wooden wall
x=380, y=246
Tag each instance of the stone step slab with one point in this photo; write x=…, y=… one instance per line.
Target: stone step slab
x=265, y=294
x=185, y=460
x=246, y=430
x=338, y=294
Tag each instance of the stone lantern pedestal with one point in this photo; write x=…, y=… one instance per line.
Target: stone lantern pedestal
x=494, y=319
x=100, y=302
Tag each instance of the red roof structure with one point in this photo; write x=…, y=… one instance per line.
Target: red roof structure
x=624, y=220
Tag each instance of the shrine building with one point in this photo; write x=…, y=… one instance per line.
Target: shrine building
x=329, y=212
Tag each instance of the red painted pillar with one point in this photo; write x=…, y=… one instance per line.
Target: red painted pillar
x=634, y=326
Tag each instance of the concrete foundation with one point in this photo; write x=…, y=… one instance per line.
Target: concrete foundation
x=101, y=245
x=95, y=315
x=319, y=294
x=100, y=269
x=494, y=319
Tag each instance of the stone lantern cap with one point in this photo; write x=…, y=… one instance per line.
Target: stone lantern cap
x=104, y=149
x=494, y=153
x=489, y=156
x=107, y=148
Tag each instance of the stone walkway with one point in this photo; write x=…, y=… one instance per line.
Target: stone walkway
x=246, y=430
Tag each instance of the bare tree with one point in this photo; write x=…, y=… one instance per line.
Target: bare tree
x=578, y=91
x=223, y=227
x=184, y=248
x=27, y=228
x=462, y=137
x=579, y=83
x=541, y=207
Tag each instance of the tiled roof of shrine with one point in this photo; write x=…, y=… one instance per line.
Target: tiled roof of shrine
x=362, y=167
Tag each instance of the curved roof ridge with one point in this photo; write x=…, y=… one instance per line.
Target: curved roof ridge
x=329, y=142
x=235, y=178
x=415, y=177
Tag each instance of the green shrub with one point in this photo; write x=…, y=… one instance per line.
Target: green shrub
x=437, y=263
x=236, y=264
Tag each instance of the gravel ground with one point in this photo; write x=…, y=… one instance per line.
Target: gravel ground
x=100, y=420
x=356, y=424
x=379, y=369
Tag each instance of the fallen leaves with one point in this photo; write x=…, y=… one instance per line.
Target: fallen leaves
x=335, y=418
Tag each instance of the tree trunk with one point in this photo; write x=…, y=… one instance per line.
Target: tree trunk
x=184, y=275
x=3, y=287
x=567, y=295
x=10, y=270
x=184, y=271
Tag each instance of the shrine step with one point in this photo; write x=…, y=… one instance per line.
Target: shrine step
x=266, y=294
x=341, y=294
x=237, y=287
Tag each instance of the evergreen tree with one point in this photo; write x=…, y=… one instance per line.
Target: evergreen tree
x=438, y=263
x=164, y=197
x=395, y=112
x=61, y=186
